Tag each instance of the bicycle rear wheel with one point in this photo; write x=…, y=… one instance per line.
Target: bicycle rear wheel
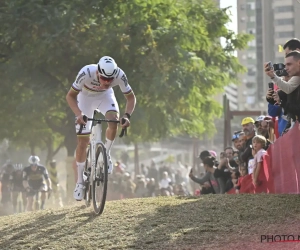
x=88, y=189
x=99, y=185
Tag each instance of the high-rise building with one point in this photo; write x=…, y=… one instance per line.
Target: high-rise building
x=272, y=23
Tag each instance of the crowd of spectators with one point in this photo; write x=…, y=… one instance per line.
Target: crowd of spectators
x=224, y=172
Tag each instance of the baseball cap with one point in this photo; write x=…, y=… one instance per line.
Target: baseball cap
x=262, y=118
x=236, y=135
x=247, y=120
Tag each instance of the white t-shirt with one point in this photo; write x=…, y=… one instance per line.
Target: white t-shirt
x=164, y=183
x=257, y=158
x=87, y=82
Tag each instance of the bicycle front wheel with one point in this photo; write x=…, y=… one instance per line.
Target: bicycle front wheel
x=87, y=170
x=99, y=185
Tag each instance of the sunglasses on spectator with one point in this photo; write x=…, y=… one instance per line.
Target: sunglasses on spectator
x=107, y=79
x=235, y=136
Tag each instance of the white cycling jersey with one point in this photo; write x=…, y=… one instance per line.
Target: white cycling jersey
x=87, y=82
x=91, y=97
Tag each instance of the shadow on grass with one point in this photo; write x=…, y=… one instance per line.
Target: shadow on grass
x=45, y=227
x=208, y=221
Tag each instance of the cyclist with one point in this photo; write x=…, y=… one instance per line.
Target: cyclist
x=5, y=179
x=33, y=181
x=92, y=90
x=17, y=187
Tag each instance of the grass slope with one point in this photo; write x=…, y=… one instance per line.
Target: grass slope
x=209, y=222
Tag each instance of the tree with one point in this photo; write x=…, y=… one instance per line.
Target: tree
x=169, y=49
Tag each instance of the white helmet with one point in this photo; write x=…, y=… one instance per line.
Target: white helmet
x=34, y=160
x=107, y=67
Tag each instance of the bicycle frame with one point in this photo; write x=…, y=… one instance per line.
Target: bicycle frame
x=94, y=174
x=95, y=138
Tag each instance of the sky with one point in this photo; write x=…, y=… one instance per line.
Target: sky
x=233, y=10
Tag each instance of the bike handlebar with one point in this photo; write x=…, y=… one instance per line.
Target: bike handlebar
x=85, y=118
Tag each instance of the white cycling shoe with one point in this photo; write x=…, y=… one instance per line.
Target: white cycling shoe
x=110, y=164
x=79, y=192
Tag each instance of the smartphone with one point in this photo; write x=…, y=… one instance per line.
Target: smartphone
x=271, y=85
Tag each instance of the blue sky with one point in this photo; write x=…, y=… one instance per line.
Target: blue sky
x=233, y=10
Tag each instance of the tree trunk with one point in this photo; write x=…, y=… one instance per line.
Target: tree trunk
x=49, y=150
x=32, y=147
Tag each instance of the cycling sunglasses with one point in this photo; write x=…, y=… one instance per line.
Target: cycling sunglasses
x=107, y=79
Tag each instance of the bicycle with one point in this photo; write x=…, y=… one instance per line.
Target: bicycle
x=95, y=172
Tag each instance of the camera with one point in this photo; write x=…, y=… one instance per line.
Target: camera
x=279, y=69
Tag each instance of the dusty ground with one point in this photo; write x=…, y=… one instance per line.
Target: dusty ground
x=210, y=222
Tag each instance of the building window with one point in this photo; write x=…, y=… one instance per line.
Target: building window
x=251, y=31
x=252, y=19
x=251, y=72
x=284, y=21
x=285, y=34
x=251, y=55
x=243, y=19
x=242, y=7
x=250, y=6
x=279, y=9
x=252, y=43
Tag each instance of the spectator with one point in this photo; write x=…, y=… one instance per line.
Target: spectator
x=265, y=127
x=208, y=163
x=229, y=155
x=294, y=81
x=234, y=177
x=151, y=187
x=259, y=142
x=141, y=190
x=235, y=139
x=165, y=185
x=243, y=173
x=249, y=130
x=153, y=172
x=292, y=88
x=128, y=186
x=119, y=167
x=275, y=108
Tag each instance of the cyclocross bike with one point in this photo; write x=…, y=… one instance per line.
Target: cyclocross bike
x=95, y=174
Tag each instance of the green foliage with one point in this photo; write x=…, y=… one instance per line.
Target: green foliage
x=169, y=49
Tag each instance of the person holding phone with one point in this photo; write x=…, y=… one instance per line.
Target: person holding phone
x=276, y=102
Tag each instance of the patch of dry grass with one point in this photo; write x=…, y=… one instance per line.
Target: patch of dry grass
x=212, y=221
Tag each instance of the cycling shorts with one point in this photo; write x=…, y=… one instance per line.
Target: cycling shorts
x=104, y=101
